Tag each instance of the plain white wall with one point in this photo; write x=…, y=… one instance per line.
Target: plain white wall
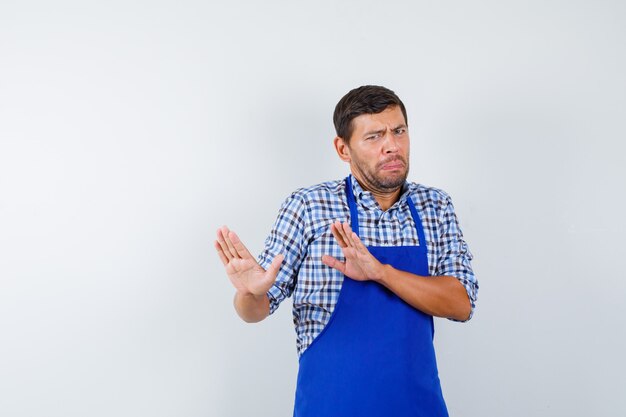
x=130, y=131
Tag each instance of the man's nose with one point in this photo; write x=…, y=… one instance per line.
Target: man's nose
x=390, y=145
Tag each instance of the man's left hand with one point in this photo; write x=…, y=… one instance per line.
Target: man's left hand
x=360, y=264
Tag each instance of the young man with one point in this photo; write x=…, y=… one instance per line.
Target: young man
x=369, y=260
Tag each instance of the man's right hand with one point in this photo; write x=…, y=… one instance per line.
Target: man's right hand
x=246, y=275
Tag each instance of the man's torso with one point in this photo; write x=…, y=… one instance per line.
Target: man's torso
x=302, y=234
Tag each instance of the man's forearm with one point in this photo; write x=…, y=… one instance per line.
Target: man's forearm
x=441, y=296
x=252, y=308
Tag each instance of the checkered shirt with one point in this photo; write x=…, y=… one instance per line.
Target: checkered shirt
x=302, y=234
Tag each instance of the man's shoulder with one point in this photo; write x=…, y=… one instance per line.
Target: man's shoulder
x=315, y=202
x=317, y=192
x=427, y=196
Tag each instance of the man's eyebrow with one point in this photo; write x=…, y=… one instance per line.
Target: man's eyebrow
x=373, y=132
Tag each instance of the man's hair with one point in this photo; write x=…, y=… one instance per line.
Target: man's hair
x=367, y=99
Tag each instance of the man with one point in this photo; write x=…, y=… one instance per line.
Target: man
x=369, y=260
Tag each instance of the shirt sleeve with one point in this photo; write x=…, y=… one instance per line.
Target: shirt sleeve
x=454, y=257
x=286, y=237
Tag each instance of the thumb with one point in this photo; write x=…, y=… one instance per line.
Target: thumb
x=274, y=267
x=334, y=263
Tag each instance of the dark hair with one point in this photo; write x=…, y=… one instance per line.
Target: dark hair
x=367, y=99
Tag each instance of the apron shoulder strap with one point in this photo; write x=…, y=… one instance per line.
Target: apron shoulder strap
x=354, y=217
x=417, y=221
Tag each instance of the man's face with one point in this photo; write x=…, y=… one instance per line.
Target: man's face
x=379, y=150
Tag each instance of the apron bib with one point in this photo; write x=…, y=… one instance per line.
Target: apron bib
x=375, y=357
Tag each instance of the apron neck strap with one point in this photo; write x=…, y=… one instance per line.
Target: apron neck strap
x=417, y=221
x=354, y=217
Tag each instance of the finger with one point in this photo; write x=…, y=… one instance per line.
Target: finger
x=229, y=243
x=344, y=235
x=356, y=240
x=221, y=254
x=274, y=267
x=347, y=234
x=241, y=249
x=347, y=231
x=358, y=245
x=335, y=229
x=223, y=246
x=334, y=263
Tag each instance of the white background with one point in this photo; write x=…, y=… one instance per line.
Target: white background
x=130, y=131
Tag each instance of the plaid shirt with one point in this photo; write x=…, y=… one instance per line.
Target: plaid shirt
x=302, y=234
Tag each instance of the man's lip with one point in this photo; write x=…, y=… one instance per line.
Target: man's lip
x=393, y=165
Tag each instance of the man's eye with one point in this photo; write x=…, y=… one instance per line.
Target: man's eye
x=400, y=131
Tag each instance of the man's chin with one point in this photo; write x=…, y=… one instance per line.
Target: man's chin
x=392, y=182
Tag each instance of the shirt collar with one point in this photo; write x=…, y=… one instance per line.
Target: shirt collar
x=367, y=200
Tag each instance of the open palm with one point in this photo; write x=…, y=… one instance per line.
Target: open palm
x=244, y=272
x=360, y=264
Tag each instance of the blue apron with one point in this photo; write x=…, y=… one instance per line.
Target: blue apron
x=375, y=357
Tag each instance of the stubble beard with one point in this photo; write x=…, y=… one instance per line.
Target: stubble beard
x=381, y=183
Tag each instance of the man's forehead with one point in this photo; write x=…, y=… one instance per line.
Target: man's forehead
x=392, y=115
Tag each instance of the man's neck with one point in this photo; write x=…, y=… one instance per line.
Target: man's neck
x=384, y=199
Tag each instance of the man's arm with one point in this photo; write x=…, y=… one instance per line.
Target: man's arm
x=249, y=279
x=441, y=296
x=252, y=308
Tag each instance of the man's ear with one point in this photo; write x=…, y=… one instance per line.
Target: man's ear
x=342, y=148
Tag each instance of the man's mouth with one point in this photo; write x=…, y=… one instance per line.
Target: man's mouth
x=392, y=165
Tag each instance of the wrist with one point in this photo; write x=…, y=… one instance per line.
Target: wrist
x=249, y=295
x=382, y=274
x=251, y=308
